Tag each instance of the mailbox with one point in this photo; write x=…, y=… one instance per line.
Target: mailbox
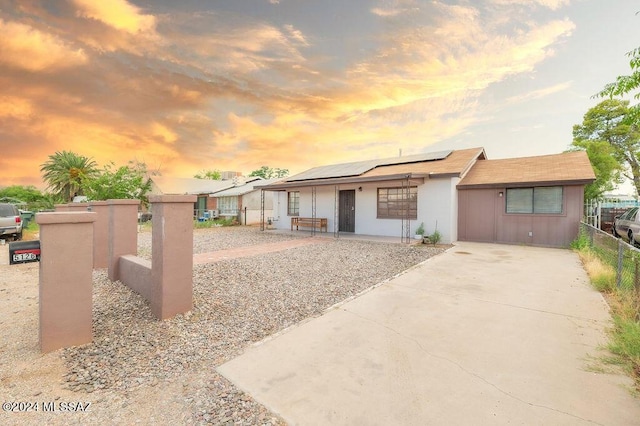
x=24, y=251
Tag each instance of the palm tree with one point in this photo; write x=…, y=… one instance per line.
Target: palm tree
x=65, y=171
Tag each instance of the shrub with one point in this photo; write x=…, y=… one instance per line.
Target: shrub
x=581, y=242
x=435, y=237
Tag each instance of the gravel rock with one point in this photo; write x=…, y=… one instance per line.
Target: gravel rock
x=169, y=366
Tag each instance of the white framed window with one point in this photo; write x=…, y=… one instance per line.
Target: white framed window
x=228, y=205
x=293, y=203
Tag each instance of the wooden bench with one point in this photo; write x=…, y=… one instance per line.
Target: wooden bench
x=309, y=222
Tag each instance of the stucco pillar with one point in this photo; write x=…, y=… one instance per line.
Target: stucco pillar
x=100, y=229
x=66, y=278
x=101, y=234
x=61, y=207
x=123, y=233
x=77, y=207
x=172, y=254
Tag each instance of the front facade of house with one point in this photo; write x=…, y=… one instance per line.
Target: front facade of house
x=389, y=197
x=202, y=188
x=244, y=201
x=461, y=194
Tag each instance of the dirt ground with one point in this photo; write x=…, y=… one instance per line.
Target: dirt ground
x=34, y=374
x=28, y=376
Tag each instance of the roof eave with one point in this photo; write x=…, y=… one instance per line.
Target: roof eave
x=341, y=181
x=571, y=182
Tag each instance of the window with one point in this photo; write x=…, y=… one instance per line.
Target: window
x=293, y=203
x=201, y=206
x=228, y=205
x=537, y=200
x=398, y=203
x=630, y=214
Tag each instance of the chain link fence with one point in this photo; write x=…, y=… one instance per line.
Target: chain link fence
x=623, y=258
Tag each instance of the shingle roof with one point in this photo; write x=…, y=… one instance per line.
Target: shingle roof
x=172, y=185
x=456, y=164
x=437, y=164
x=254, y=183
x=567, y=168
x=359, y=167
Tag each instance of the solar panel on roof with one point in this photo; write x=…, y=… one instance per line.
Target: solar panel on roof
x=359, y=167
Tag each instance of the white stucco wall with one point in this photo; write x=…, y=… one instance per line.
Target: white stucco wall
x=437, y=202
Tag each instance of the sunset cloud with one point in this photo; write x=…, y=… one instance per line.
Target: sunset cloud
x=27, y=48
x=118, y=14
x=551, y=4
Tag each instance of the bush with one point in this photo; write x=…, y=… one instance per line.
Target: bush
x=582, y=241
x=435, y=237
x=217, y=222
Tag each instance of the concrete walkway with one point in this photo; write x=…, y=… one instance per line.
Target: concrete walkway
x=483, y=334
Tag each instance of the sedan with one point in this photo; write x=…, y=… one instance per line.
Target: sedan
x=627, y=226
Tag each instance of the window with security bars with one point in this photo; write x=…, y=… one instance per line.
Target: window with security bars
x=536, y=200
x=398, y=203
x=293, y=203
x=228, y=205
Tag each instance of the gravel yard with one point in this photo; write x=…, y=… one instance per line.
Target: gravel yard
x=138, y=368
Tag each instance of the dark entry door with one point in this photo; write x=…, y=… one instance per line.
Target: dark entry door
x=347, y=211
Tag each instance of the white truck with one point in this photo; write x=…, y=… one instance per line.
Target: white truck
x=10, y=222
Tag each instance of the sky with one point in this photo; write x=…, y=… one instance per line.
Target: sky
x=193, y=85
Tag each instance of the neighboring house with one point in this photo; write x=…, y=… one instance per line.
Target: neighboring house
x=245, y=201
x=203, y=188
x=530, y=200
x=445, y=190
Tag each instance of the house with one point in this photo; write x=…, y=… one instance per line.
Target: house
x=386, y=197
x=445, y=190
x=203, y=188
x=245, y=201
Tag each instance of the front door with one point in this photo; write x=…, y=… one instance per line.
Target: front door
x=347, y=211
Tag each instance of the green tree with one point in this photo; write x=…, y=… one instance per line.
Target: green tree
x=267, y=172
x=28, y=197
x=625, y=84
x=212, y=174
x=126, y=182
x=612, y=142
x=24, y=194
x=64, y=173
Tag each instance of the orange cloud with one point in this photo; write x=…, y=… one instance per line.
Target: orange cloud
x=118, y=14
x=12, y=107
x=25, y=47
x=551, y=4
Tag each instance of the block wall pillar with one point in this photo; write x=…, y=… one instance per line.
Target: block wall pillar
x=66, y=279
x=123, y=233
x=172, y=254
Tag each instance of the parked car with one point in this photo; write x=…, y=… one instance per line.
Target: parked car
x=627, y=226
x=10, y=222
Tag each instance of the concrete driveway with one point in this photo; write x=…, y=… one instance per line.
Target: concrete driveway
x=483, y=334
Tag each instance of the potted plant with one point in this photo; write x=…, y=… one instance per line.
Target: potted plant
x=419, y=232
